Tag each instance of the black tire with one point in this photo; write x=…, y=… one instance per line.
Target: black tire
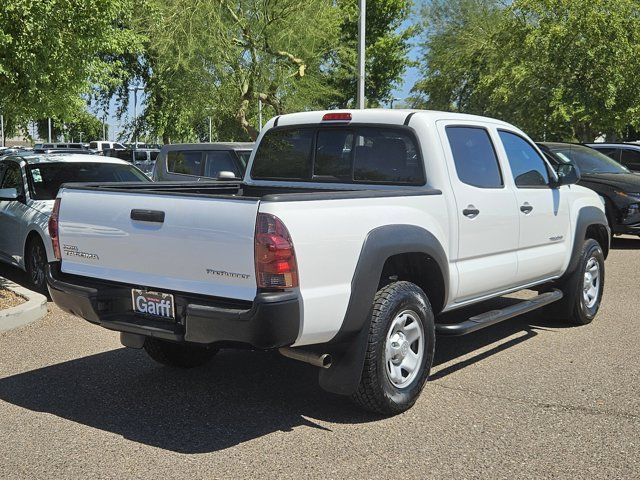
x=376, y=392
x=179, y=355
x=36, y=264
x=577, y=309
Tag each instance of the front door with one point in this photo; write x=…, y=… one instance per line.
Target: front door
x=545, y=233
x=486, y=210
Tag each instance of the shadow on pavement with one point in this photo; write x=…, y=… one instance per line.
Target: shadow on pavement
x=239, y=396
x=14, y=274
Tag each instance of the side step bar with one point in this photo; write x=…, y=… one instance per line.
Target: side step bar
x=487, y=319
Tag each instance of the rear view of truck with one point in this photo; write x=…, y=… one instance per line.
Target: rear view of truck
x=129, y=267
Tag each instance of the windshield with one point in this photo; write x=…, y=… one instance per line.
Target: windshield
x=45, y=179
x=588, y=159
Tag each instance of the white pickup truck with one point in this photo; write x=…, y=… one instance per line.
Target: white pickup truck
x=350, y=234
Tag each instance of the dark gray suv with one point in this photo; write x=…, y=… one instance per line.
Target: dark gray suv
x=198, y=161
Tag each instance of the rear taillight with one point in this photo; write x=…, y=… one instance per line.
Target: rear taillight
x=53, y=228
x=275, y=258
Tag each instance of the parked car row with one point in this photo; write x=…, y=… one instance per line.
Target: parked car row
x=618, y=187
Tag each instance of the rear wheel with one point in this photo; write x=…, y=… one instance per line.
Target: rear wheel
x=400, y=349
x=178, y=355
x=36, y=264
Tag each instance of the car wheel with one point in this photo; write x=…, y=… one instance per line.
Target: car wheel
x=400, y=349
x=583, y=290
x=178, y=355
x=36, y=264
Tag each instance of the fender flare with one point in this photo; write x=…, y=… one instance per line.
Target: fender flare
x=349, y=345
x=587, y=216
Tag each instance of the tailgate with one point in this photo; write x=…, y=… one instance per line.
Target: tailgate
x=203, y=245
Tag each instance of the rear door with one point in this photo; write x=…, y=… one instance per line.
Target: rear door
x=543, y=211
x=198, y=244
x=486, y=208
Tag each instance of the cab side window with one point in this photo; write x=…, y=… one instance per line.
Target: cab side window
x=528, y=168
x=474, y=156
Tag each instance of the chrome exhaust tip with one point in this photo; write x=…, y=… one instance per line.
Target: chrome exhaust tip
x=321, y=360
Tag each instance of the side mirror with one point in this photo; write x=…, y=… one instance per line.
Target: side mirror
x=224, y=175
x=8, y=194
x=568, y=174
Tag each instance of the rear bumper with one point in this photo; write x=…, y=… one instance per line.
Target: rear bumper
x=272, y=320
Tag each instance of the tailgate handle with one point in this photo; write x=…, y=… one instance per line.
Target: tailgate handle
x=156, y=216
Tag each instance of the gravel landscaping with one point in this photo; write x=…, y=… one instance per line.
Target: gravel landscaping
x=9, y=299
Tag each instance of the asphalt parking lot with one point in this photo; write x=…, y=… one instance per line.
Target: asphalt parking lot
x=530, y=398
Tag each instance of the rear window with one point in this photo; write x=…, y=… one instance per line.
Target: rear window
x=45, y=179
x=358, y=154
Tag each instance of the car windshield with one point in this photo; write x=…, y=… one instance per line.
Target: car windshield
x=588, y=159
x=45, y=179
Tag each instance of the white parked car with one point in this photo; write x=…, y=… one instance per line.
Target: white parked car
x=350, y=235
x=101, y=146
x=28, y=187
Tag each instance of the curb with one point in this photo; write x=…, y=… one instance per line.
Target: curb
x=30, y=311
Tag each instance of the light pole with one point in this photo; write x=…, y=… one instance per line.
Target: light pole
x=362, y=20
x=393, y=100
x=135, y=113
x=104, y=128
x=81, y=133
x=49, y=122
x=2, y=129
x=209, y=128
x=259, y=114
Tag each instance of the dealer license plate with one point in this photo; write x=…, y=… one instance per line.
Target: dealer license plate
x=155, y=304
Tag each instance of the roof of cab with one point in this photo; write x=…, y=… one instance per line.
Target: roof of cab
x=37, y=158
x=380, y=115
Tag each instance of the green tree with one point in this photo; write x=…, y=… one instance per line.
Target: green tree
x=565, y=69
x=387, y=49
x=52, y=52
x=80, y=122
x=219, y=57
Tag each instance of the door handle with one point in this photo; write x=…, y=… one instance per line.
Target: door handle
x=526, y=209
x=471, y=212
x=155, y=216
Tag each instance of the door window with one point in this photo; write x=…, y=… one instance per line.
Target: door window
x=474, y=156
x=613, y=153
x=528, y=168
x=220, y=161
x=630, y=158
x=185, y=162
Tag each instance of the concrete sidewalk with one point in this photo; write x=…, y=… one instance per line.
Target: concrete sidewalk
x=30, y=311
